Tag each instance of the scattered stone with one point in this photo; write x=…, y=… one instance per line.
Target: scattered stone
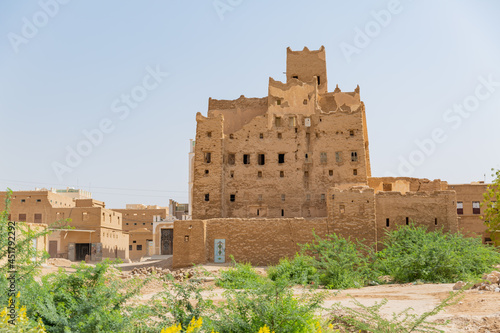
x=459, y=285
x=493, y=277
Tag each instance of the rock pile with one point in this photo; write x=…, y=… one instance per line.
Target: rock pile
x=163, y=273
x=490, y=282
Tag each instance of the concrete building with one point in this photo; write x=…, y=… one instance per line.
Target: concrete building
x=97, y=231
x=266, y=171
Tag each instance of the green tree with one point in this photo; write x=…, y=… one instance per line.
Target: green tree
x=491, y=214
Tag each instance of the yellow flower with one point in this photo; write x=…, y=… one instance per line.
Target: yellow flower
x=264, y=329
x=194, y=324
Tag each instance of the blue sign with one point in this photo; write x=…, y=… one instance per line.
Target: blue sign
x=220, y=251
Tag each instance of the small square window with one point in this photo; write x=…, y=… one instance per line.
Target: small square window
x=354, y=156
x=308, y=197
x=130, y=247
x=351, y=133
x=126, y=223
x=207, y=197
x=282, y=174
x=323, y=197
x=134, y=242
x=209, y=134
x=342, y=209
x=295, y=77
x=304, y=102
x=246, y=159
x=280, y=136
x=206, y=172
x=38, y=200
x=281, y=158
x=261, y=135
x=292, y=122
x=407, y=221
x=330, y=172
x=139, y=247
x=282, y=197
x=23, y=200
x=387, y=222
x=278, y=102
x=323, y=157
x=460, y=207
x=231, y=174
x=436, y=221
x=231, y=136
x=282, y=212
x=232, y=197
x=259, y=174
x=306, y=174
x=355, y=172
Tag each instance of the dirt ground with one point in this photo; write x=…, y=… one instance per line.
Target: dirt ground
x=477, y=311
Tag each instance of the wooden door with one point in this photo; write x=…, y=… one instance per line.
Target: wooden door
x=167, y=241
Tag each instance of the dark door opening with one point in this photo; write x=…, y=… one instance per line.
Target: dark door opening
x=81, y=250
x=167, y=241
x=53, y=249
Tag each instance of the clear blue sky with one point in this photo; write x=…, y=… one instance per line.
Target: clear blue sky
x=70, y=73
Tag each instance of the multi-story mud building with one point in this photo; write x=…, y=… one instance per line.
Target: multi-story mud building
x=266, y=171
x=277, y=156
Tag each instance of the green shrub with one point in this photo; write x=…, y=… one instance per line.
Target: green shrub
x=271, y=304
x=339, y=262
x=91, y=299
x=241, y=276
x=181, y=303
x=411, y=253
x=299, y=270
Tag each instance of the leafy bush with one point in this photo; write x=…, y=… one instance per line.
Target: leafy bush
x=411, y=253
x=340, y=262
x=181, y=304
x=299, y=270
x=91, y=299
x=241, y=276
x=270, y=304
x=21, y=323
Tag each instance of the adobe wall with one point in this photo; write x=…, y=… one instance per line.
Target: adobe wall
x=207, y=177
x=407, y=184
x=306, y=65
x=258, y=241
x=140, y=218
x=238, y=112
x=139, y=237
x=352, y=213
x=189, y=243
x=434, y=210
x=471, y=224
x=305, y=180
